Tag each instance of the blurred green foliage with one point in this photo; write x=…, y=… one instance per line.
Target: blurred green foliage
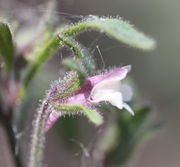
x=7, y=48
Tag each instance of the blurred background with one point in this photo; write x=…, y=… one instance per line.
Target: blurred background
x=156, y=73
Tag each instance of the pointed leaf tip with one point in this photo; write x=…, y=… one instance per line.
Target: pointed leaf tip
x=115, y=28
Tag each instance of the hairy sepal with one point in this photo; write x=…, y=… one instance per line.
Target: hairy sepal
x=92, y=115
x=64, y=88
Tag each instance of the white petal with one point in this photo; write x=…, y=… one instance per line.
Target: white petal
x=127, y=92
x=115, y=98
x=109, y=91
x=128, y=67
x=128, y=108
x=105, y=86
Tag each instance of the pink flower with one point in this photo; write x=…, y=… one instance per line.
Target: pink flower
x=99, y=88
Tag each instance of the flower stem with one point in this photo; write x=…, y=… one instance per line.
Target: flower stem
x=38, y=135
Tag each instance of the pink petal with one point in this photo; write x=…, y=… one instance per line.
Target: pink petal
x=52, y=119
x=116, y=74
x=81, y=97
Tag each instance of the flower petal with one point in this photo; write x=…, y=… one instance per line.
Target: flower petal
x=115, y=98
x=78, y=99
x=52, y=119
x=106, y=85
x=107, y=90
x=128, y=108
x=115, y=74
x=127, y=92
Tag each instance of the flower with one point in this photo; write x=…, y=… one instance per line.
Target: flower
x=99, y=88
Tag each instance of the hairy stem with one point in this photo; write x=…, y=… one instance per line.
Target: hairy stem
x=38, y=135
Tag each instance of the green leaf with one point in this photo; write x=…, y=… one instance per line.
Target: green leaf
x=132, y=132
x=43, y=55
x=72, y=44
x=43, y=34
x=140, y=119
x=52, y=45
x=44, y=45
x=6, y=46
x=82, y=54
x=37, y=43
x=113, y=27
x=92, y=115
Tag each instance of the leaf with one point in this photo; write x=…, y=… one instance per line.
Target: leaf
x=46, y=51
x=44, y=33
x=92, y=115
x=142, y=125
x=44, y=45
x=51, y=47
x=140, y=119
x=132, y=132
x=37, y=43
x=113, y=27
x=82, y=54
x=72, y=44
x=6, y=46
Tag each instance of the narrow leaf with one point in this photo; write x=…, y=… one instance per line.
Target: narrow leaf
x=46, y=51
x=92, y=115
x=44, y=45
x=44, y=33
x=6, y=45
x=80, y=52
x=52, y=45
x=113, y=27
